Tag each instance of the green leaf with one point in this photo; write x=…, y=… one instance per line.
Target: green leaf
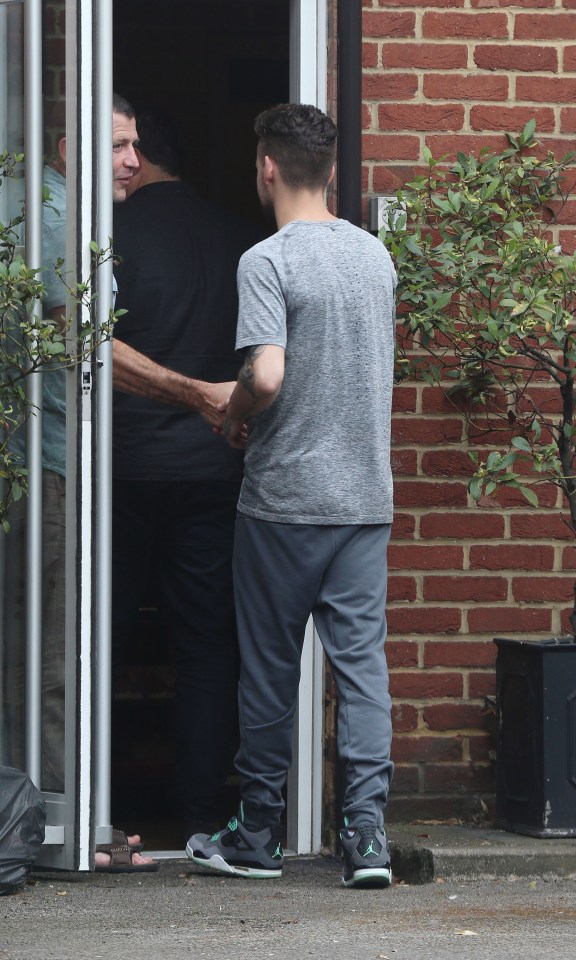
x=529, y=495
x=521, y=443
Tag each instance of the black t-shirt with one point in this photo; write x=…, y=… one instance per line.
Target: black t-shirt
x=177, y=280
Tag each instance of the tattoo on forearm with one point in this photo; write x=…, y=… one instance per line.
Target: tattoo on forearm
x=246, y=375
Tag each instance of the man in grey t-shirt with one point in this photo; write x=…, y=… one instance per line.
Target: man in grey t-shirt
x=316, y=325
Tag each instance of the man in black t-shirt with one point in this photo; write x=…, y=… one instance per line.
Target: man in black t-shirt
x=175, y=484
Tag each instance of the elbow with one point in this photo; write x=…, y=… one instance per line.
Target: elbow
x=268, y=386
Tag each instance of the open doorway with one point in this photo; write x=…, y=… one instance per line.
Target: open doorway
x=212, y=65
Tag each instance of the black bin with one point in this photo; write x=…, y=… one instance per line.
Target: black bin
x=536, y=754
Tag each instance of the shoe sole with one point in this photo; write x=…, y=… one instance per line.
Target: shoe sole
x=220, y=865
x=370, y=877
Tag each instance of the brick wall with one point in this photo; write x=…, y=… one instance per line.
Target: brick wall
x=54, y=78
x=455, y=75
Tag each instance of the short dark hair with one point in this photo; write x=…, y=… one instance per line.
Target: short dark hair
x=121, y=105
x=159, y=140
x=302, y=141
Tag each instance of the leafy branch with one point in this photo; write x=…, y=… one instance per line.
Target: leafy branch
x=31, y=340
x=487, y=300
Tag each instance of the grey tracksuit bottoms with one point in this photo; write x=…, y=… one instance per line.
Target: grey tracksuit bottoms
x=282, y=574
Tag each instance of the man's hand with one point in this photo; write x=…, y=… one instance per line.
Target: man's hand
x=235, y=432
x=215, y=399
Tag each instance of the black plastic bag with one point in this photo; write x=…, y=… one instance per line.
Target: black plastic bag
x=22, y=820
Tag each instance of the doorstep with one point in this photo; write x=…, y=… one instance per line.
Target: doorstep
x=426, y=852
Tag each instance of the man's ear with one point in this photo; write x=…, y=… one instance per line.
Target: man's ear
x=331, y=177
x=270, y=168
x=62, y=149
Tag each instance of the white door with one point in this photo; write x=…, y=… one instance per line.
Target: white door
x=308, y=79
x=57, y=552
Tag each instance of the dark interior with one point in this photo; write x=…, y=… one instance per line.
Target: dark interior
x=213, y=65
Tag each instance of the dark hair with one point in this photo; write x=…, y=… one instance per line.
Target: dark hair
x=158, y=140
x=302, y=141
x=121, y=105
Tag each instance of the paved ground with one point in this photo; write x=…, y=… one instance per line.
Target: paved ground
x=182, y=912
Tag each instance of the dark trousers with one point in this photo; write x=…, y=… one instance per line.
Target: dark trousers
x=183, y=532
x=283, y=573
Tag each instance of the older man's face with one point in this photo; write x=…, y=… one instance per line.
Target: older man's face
x=124, y=158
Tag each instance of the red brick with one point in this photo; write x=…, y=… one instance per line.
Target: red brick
x=406, y=779
x=404, y=717
x=510, y=119
x=389, y=179
x=481, y=748
x=569, y=558
x=403, y=526
x=509, y=57
x=508, y=497
x=556, y=90
x=369, y=55
x=449, y=147
x=447, y=463
x=55, y=51
x=416, y=557
x=426, y=430
x=390, y=86
x=442, y=26
x=475, y=524
x=366, y=120
x=401, y=653
x=420, y=685
x=388, y=24
x=465, y=588
x=471, y=87
x=425, y=806
x=421, y=3
x=513, y=557
x=569, y=58
x=425, y=56
x=49, y=24
x=426, y=749
x=543, y=589
x=404, y=399
x=453, y=716
x=459, y=653
x=546, y=398
x=566, y=621
x=415, y=619
x=435, y=400
x=447, y=777
x=567, y=238
x=567, y=213
x=532, y=4
x=404, y=462
x=481, y=684
x=420, y=117
x=390, y=147
x=509, y=619
x=401, y=588
x=55, y=113
x=408, y=493
x=544, y=26
x=523, y=526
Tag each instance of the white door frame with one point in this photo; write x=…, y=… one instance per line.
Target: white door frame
x=308, y=84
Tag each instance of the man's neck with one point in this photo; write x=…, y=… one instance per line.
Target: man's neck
x=291, y=205
x=153, y=174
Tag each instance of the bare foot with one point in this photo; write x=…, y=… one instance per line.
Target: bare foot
x=103, y=859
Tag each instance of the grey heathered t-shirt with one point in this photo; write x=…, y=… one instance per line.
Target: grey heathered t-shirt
x=320, y=454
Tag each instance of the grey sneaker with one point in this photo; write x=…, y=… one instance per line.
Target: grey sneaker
x=237, y=850
x=365, y=856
